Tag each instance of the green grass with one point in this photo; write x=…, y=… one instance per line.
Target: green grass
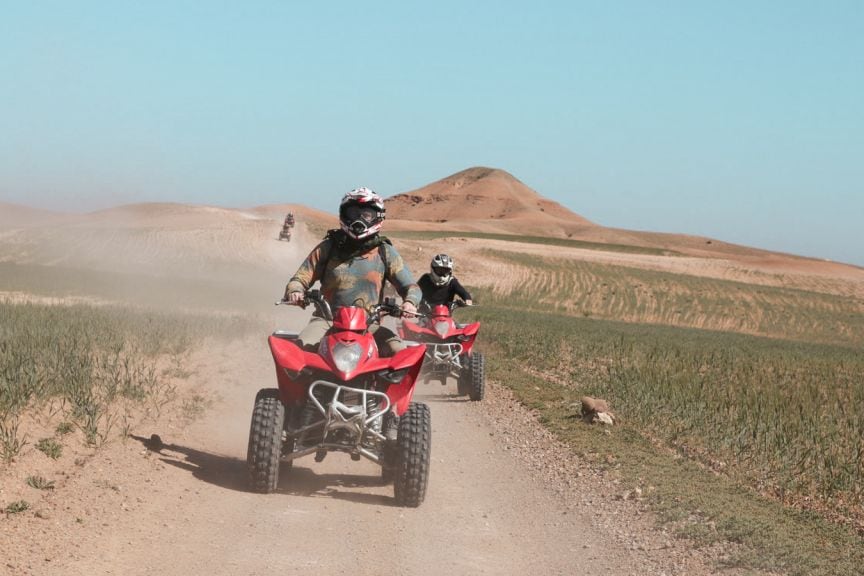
x=731, y=437
x=544, y=240
x=88, y=360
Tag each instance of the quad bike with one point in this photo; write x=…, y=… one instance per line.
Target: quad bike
x=449, y=349
x=285, y=233
x=343, y=397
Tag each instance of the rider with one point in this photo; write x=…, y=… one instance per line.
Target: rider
x=439, y=286
x=352, y=264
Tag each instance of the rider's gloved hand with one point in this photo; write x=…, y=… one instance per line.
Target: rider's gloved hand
x=469, y=302
x=294, y=297
x=409, y=309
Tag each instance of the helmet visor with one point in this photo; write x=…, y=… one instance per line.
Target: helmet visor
x=363, y=213
x=441, y=271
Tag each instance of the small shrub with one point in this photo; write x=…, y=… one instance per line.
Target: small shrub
x=17, y=507
x=64, y=428
x=194, y=407
x=40, y=483
x=50, y=447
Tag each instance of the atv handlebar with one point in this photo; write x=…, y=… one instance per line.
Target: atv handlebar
x=316, y=298
x=425, y=309
x=311, y=297
x=387, y=308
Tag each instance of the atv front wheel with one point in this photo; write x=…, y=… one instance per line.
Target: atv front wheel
x=463, y=382
x=265, y=441
x=478, y=377
x=413, y=445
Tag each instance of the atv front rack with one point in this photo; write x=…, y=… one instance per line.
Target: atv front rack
x=360, y=424
x=447, y=354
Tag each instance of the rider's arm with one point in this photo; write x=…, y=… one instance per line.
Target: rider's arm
x=460, y=290
x=401, y=277
x=308, y=273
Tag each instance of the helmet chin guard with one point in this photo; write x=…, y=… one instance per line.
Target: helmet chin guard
x=359, y=230
x=441, y=269
x=440, y=280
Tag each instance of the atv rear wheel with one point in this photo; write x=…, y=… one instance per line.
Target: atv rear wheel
x=265, y=441
x=478, y=377
x=413, y=445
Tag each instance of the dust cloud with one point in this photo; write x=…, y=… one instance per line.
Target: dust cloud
x=168, y=257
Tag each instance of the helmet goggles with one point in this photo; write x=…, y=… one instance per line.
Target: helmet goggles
x=362, y=213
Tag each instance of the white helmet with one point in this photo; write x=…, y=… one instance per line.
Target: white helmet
x=361, y=213
x=441, y=269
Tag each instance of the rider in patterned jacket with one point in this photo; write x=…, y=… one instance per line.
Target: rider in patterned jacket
x=352, y=264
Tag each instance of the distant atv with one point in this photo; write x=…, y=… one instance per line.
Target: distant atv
x=343, y=397
x=287, y=225
x=449, y=349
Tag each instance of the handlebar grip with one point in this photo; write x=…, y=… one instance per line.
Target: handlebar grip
x=283, y=302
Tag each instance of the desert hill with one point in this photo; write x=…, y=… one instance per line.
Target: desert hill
x=17, y=216
x=490, y=200
x=485, y=200
x=227, y=245
x=478, y=193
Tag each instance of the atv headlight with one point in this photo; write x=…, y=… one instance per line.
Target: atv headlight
x=346, y=356
x=442, y=328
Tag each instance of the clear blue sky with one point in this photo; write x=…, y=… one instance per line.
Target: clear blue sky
x=739, y=120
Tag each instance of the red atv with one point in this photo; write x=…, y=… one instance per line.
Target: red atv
x=449, y=349
x=343, y=397
x=287, y=225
